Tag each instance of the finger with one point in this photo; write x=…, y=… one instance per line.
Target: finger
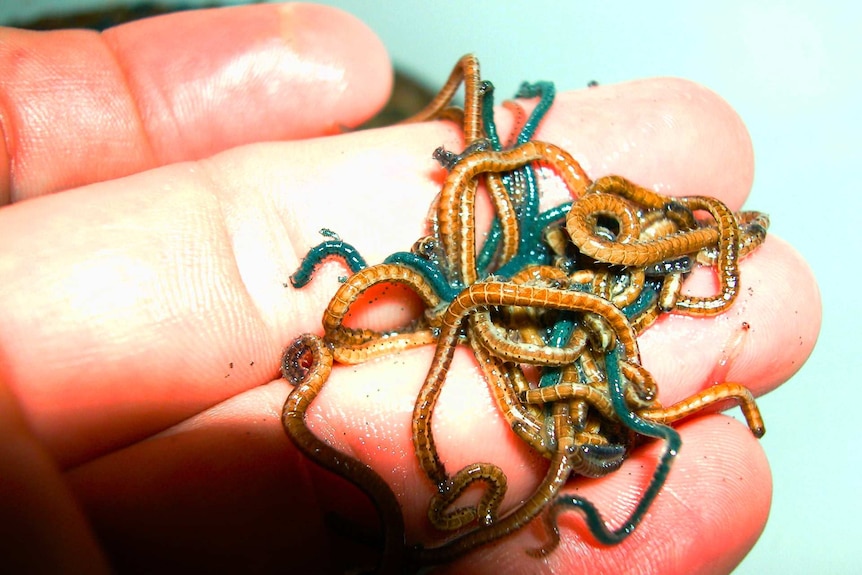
x=707, y=517
x=760, y=342
x=43, y=529
x=240, y=475
x=668, y=135
x=81, y=107
x=176, y=293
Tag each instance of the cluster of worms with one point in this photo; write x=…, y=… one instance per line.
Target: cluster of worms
x=550, y=302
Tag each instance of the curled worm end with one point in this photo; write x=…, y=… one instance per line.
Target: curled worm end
x=297, y=361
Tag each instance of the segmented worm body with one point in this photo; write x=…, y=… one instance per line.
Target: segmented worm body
x=550, y=305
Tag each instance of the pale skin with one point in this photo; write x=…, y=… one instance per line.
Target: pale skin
x=144, y=306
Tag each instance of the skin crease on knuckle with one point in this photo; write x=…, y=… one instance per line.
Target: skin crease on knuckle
x=602, y=416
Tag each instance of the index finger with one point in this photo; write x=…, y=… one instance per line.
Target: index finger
x=78, y=107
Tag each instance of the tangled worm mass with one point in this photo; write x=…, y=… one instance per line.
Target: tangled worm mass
x=550, y=302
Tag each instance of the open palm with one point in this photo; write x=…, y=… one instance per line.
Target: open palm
x=145, y=303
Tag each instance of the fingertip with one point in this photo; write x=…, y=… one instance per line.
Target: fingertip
x=705, y=519
x=786, y=305
x=717, y=505
x=347, y=54
x=77, y=107
x=760, y=342
x=288, y=71
x=668, y=134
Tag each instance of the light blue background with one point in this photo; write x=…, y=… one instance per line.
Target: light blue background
x=792, y=70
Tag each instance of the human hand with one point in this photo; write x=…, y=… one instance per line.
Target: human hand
x=143, y=345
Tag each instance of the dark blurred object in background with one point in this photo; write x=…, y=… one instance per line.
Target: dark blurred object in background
x=103, y=18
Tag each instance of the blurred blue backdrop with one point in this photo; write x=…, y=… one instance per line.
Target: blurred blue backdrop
x=790, y=69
